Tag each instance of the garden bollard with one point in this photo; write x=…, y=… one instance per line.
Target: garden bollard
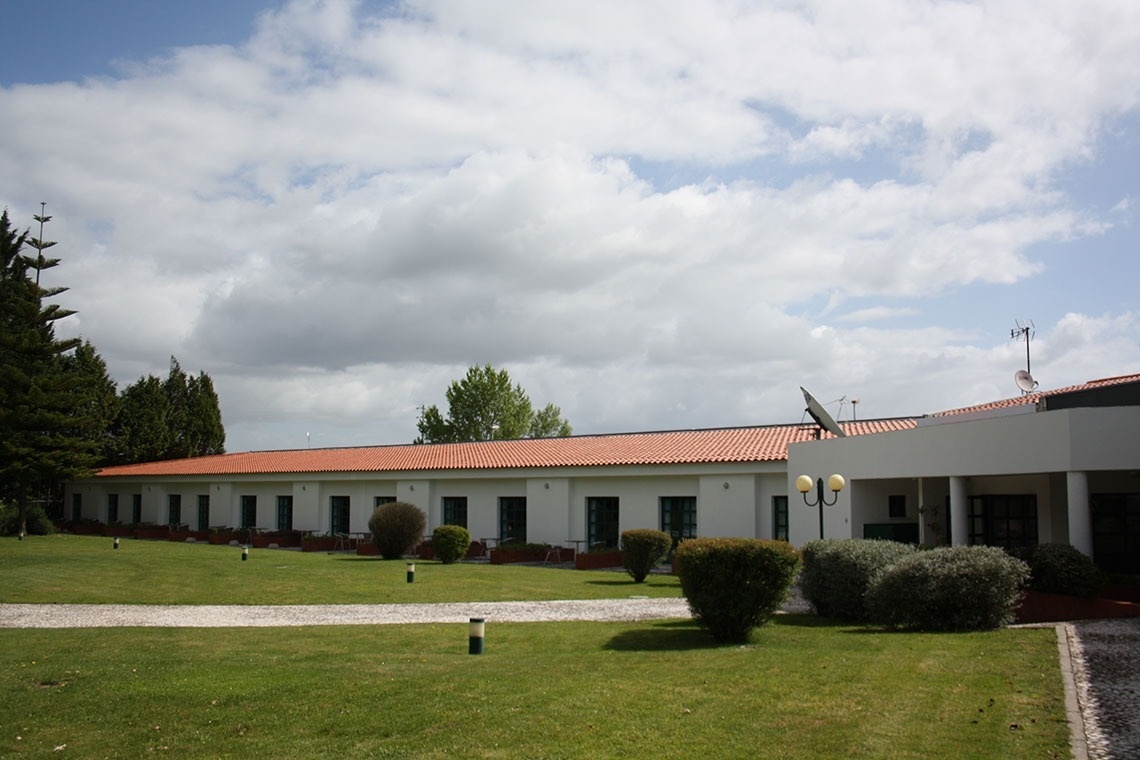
x=411, y=572
x=116, y=542
x=244, y=553
x=475, y=636
x=20, y=536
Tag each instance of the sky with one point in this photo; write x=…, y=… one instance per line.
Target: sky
x=656, y=216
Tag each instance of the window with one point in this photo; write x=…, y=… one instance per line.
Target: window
x=1116, y=532
x=679, y=517
x=174, y=509
x=1005, y=521
x=248, y=511
x=512, y=518
x=602, y=521
x=338, y=514
x=112, y=507
x=382, y=500
x=76, y=507
x=896, y=505
x=136, y=508
x=203, y=511
x=455, y=511
x=284, y=513
x=780, y=518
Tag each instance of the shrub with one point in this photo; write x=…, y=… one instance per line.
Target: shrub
x=952, y=588
x=1062, y=569
x=734, y=585
x=642, y=550
x=837, y=572
x=450, y=543
x=38, y=523
x=396, y=527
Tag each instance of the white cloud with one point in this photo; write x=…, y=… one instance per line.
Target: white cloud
x=339, y=216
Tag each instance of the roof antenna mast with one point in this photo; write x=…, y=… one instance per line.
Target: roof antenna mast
x=1024, y=378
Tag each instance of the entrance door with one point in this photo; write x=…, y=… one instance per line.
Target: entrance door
x=1116, y=532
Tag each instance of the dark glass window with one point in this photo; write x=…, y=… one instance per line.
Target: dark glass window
x=780, y=518
x=174, y=509
x=679, y=517
x=512, y=518
x=338, y=514
x=1007, y=521
x=455, y=510
x=896, y=505
x=1116, y=532
x=203, y=511
x=602, y=521
x=248, y=511
x=284, y=513
x=112, y=507
x=136, y=508
x=76, y=506
x=382, y=500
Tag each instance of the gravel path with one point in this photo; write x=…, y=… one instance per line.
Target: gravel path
x=218, y=616
x=1105, y=658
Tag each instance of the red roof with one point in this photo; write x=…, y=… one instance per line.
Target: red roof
x=724, y=445
x=1033, y=398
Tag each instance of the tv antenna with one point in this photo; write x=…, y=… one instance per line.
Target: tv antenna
x=1023, y=378
x=820, y=415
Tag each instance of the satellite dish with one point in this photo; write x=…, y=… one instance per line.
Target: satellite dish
x=820, y=415
x=1024, y=381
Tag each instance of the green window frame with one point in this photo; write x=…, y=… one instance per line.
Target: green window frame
x=679, y=517
x=112, y=508
x=203, y=511
x=174, y=509
x=248, y=511
x=285, y=512
x=512, y=518
x=780, y=518
x=455, y=510
x=339, y=514
x=603, y=515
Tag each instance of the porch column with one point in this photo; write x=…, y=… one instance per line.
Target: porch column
x=959, y=516
x=1080, y=516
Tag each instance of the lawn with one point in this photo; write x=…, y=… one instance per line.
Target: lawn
x=86, y=569
x=804, y=688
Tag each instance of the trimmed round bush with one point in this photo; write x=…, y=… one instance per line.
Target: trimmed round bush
x=38, y=523
x=837, y=572
x=952, y=588
x=1062, y=569
x=396, y=527
x=734, y=585
x=450, y=543
x=642, y=549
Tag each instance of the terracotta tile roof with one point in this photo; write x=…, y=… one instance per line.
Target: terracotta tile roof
x=724, y=445
x=1033, y=398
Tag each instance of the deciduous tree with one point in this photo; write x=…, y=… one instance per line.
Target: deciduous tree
x=485, y=406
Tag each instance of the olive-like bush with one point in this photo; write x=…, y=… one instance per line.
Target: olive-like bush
x=1062, y=569
x=734, y=585
x=952, y=588
x=837, y=572
x=642, y=549
x=37, y=521
x=450, y=543
x=396, y=527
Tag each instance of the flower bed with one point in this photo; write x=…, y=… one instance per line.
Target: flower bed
x=598, y=560
x=1039, y=607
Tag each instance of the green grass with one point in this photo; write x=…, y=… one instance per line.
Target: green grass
x=804, y=688
x=86, y=569
x=587, y=690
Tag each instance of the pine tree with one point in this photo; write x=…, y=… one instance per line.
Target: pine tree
x=41, y=422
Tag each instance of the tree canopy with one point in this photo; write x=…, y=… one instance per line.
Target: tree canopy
x=485, y=406
x=43, y=410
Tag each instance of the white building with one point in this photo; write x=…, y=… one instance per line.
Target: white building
x=1053, y=466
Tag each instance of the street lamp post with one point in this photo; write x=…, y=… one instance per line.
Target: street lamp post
x=835, y=483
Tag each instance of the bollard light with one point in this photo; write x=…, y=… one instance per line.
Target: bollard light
x=475, y=636
x=244, y=553
x=411, y=572
x=116, y=542
x=20, y=536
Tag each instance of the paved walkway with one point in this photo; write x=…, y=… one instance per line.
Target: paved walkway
x=1100, y=659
